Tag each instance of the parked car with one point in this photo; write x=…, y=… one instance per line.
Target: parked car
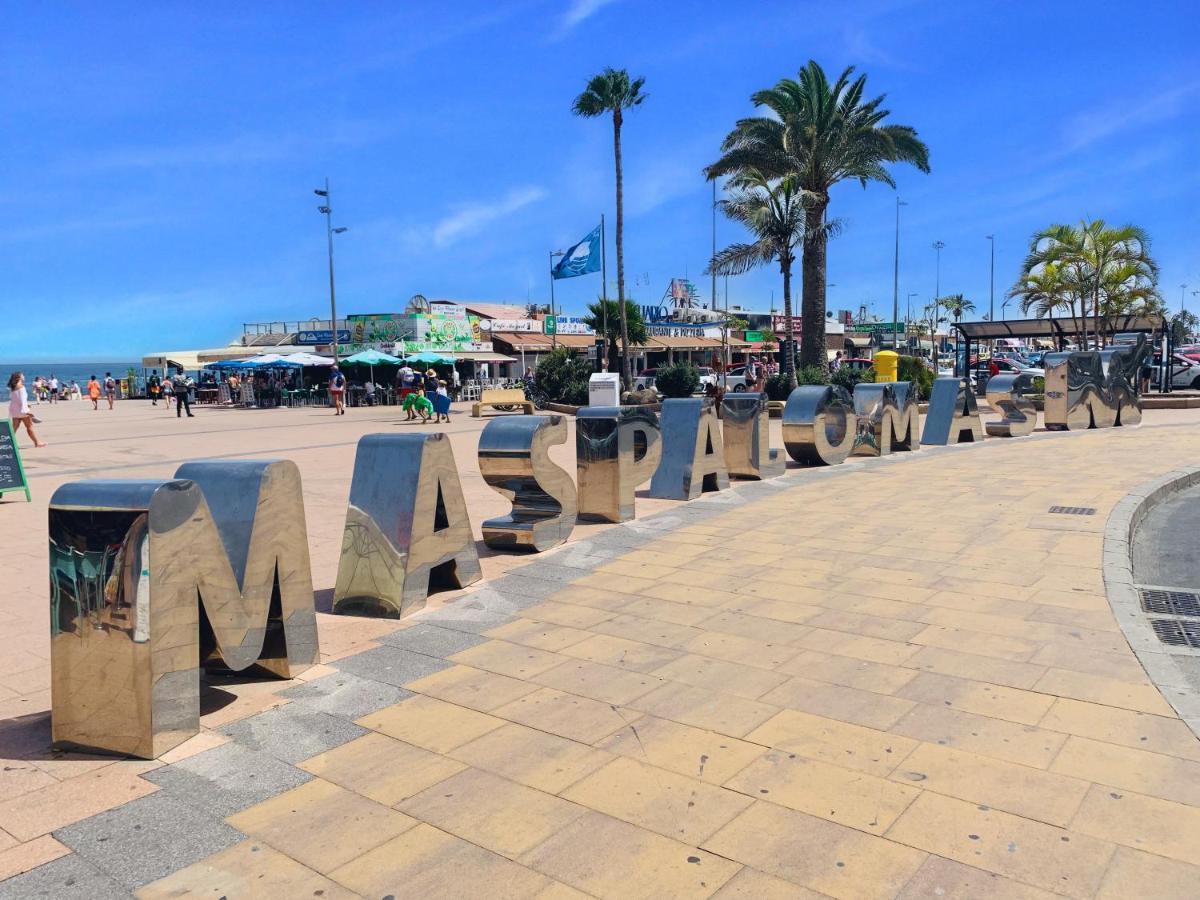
x=858, y=363
x=736, y=380
x=645, y=380
x=1185, y=372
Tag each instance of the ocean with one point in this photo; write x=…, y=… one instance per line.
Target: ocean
x=66, y=372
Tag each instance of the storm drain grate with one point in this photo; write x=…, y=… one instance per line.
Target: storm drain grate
x=1171, y=603
x=1073, y=510
x=1177, y=632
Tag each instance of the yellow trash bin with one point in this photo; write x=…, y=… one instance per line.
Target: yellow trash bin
x=887, y=365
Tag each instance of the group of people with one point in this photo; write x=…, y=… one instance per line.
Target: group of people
x=177, y=386
x=422, y=395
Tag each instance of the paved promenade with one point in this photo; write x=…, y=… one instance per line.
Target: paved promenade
x=897, y=677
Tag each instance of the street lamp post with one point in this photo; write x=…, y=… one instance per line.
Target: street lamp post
x=896, y=275
x=330, y=231
x=937, y=293
x=908, y=314
x=554, y=315
x=992, y=282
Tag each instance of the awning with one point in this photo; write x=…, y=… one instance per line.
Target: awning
x=658, y=342
x=482, y=356
x=517, y=341
x=1054, y=327
x=858, y=341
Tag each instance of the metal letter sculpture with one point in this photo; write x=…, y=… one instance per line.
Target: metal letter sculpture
x=1006, y=394
x=887, y=418
x=149, y=581
x=693, y=460
x=1091, y=389
x=746, y=437
x=406, y=526
x=616, y=450
x=819, y=425
x=953, y=416
x=514, y=458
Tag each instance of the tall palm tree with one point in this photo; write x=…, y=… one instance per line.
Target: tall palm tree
x=774, y=212
x=821, y=134
x=956, y=305
x=613, y=92
x=1046, y=291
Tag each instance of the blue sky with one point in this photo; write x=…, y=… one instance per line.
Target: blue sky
x=159, y=159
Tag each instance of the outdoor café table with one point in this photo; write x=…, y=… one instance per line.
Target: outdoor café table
x=206, y=395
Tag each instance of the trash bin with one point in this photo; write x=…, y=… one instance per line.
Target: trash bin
x=887, y=365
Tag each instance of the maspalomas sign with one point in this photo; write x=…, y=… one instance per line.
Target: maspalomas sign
x=152, y=580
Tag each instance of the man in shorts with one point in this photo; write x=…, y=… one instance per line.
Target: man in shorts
x=110, y=389
x=337, y=391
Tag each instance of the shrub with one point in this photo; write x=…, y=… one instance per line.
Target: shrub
x=677, y=380
x=564, y=377
x=847, y=378
x=912, y=369
x=778, y=387
x=812, y=375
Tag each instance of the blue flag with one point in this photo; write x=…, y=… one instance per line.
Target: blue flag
x=581, y=259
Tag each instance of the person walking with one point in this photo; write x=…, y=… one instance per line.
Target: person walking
x=110, y=389
x=430, y=384
x=153, y=387
x=168, y=389
x=182, y=400
x=54, y=388
x=337, y=391
x=441, y=404
x=93, y=390
x=18, y=407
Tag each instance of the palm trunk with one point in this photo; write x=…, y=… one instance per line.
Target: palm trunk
x=789, y=333
x=626, y=373
x=812, y=302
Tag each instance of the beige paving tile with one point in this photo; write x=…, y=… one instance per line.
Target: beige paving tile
x=737, y=649
x=51, y=807
x=382, y=768
x=758, y=628
x=817, y=854
x=20, y=776
x=751, y=884
x=542, y=635
x=872, y=649
x=493, y=812
x=609, y=599
x=472, y=688
x=979, y=668
x=427, y=862
x=578, y=718
x=827, y=791
x=1105, y=691
x=639, y=568
x=569, y=614
x=652, y=632
x=651, y=866
x=597, y=681
x=996, y=701
x=29, y=855
x=320, y=824
x=949, y=880
x=849, y=746
x=996, y=646
x=430, y=723
x=686, y=809
x=1140, y=822
x=1135, y=874
x=621, y=652
x=720, y=675
x=849, y=672
x=1136, y=770
x=694, y=752
x=205, y=740
x=702, y=708
x=666, y=611
x=837, y=702
x=1024, y=791
x=625, y=585
x=871, y=626
x=1128, y=728
x=1030, y=852
x=248, y=869
x=1122, y=666
x=998, y=738
x=544, y=761
x=513, y=660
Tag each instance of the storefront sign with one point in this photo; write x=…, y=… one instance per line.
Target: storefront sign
x=448, y=329
x=684, y=329
x=573, y=325
x=779, y=324
x=523, y=326
x=322, y=336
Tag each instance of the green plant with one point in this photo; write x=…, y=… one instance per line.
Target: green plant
x=1039, y=384
x=912, y=369
x=605, y=319
x=820, y=133
x=847, y=377
x=561, y=375
x=812, y=375
x=677, y=380
x=613, y=91
x=778, y=387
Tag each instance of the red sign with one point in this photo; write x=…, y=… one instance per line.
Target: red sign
x=779, y=324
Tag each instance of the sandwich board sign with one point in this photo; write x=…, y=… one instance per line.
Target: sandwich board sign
x=12, y=473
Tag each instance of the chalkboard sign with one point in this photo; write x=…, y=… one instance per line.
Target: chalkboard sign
x=12, y=473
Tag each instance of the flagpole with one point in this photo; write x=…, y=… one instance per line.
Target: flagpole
x=554, y=336
x=604, y=292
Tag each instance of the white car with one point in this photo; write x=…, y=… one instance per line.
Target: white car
x=736, y=380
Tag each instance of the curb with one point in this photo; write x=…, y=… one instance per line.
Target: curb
x=1123, y=597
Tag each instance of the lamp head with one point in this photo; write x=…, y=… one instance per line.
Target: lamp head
x=320, y=193
x=324, y=209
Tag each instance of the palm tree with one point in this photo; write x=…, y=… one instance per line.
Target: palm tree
x=821, y=134
x=956, y=305
x=1047, y=290
x=774, y=213
x=604, y=318
x=612, y=91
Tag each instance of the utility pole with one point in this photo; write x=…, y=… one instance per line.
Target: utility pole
x=330, y=231
x=896, y=275
x=992, y=283
x=937, y=294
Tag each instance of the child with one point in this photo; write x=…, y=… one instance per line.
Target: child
x=419, y=404
x=441, y=404
x=93, y=389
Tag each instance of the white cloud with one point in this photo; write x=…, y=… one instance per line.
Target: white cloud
x=1091, y=126
x=472, y=217
x=578, y=11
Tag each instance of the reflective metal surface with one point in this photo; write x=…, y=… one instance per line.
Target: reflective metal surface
x=746, y=437
x=1006, y=394
x=888, y=418
x=406, y=527
x=617, y=449
x=1094, y=389
x=953, y=416
x=819, y=425
x=514, y=459
x=693, y=458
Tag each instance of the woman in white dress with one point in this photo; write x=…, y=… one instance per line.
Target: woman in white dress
x=18, y=407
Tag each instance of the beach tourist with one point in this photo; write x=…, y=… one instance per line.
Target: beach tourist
x=417, y=403
x=456, y=381
x=182, y=400
x=154, y=387
x=75, y=393
x=168, y=389
x=54, y=387
x=441, y=404
x=18, y=407
x=430, y=384
x=93, y=392
x=337, y=391
x=370, y=392
x=37, y=390
x=110, y=389
x=837, y=362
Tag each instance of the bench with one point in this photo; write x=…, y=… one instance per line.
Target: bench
x=502, y=398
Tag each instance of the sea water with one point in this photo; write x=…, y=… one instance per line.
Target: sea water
x=66, y=372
